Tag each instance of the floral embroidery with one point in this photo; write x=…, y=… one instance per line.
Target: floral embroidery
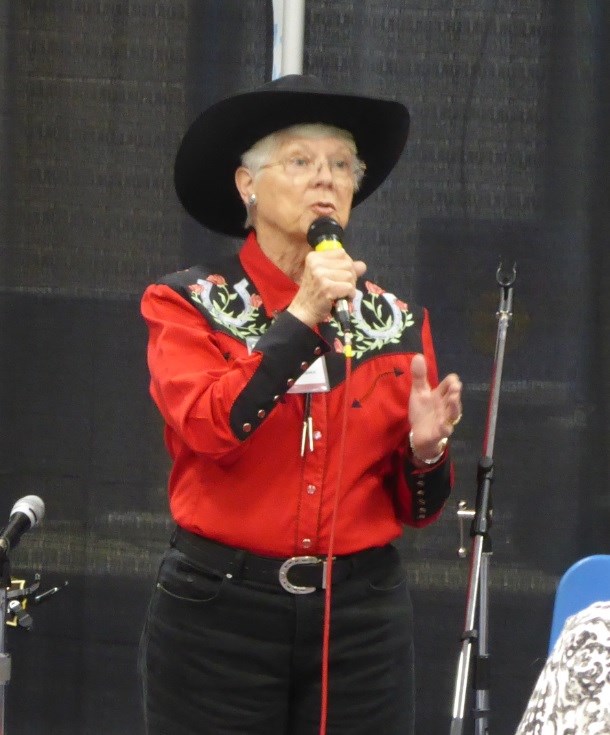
x=216, y=280
x=374, y=288
x=223, y=304
x=378, y=317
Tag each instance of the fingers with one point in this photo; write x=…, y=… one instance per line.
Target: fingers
x=438, y=409
x=450, y=391
x=333, y=274
x=419, y=373
x=328, y=276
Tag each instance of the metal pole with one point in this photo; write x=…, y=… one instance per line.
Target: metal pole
x=481, y=547
x=288, y=34
x=294, y=29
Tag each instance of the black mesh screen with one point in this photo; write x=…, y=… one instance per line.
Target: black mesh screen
x=507, y=163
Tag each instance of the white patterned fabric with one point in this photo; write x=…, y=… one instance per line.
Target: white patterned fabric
x=572, y=694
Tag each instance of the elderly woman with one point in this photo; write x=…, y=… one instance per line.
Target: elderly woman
x=301, y=444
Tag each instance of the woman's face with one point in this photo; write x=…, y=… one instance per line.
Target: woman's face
x=305, y=178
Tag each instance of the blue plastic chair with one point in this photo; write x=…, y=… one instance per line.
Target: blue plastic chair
x=585, y=582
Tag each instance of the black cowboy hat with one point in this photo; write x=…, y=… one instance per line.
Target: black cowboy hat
x=211, y=149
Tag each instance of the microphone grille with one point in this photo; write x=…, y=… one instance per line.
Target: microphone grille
x=324, y=228
x=32, y=506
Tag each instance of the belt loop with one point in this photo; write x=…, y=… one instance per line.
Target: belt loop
x=324, y=573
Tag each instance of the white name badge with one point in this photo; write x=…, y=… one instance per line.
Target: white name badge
x=313, y=380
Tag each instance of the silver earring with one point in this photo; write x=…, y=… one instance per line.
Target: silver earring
x=252, y=200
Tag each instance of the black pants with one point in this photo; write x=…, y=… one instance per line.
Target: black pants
x=224, y=656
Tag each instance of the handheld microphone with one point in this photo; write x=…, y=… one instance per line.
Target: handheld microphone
x=26, y=513
x=325, y=233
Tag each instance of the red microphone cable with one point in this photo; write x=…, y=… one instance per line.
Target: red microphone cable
x=324, y=234
x=329, y=560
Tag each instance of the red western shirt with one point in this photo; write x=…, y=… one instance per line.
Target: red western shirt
x=223, y=354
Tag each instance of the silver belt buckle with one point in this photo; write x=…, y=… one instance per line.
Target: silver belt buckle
x=296, y=589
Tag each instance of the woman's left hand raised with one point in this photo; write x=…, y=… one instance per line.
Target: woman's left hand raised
x=433, y=412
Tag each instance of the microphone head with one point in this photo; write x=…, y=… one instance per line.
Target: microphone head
x=324, y=228
x=32, y=506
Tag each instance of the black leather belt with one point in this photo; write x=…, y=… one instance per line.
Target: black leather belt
x=297, y=575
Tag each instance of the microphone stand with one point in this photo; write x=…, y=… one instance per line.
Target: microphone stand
x=481, y=544
x=5, y=659
x=9, y=603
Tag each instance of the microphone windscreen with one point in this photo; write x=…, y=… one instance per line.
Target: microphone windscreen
x=324, y=228
x=32, y=506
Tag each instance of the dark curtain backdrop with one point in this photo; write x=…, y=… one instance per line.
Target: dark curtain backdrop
x=507, y=161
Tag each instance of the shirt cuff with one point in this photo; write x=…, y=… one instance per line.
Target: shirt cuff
x=288, y=348
x=430, y=488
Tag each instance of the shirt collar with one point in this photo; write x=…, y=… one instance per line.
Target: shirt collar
x=275, y=288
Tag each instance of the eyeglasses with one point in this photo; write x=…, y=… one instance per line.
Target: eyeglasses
x=343, y=168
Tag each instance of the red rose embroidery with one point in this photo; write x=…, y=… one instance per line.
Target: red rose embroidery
x=216, y=280
x=255, y=300
x=338, y=346
x=374, y=288
x=196, y=288
x=401, y=305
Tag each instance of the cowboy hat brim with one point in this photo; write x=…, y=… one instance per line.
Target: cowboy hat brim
x=212, y=147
